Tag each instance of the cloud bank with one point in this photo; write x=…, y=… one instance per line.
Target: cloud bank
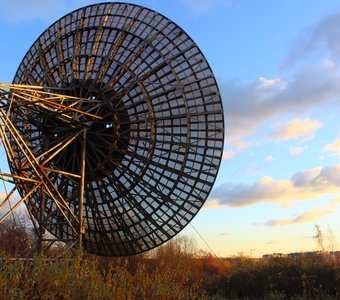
x=297, y=129
x=249, y=104
x=333, y=147
x=323, y=38
x=309, y=84
x=297, y=150
x=311, y=215
x=304, y=185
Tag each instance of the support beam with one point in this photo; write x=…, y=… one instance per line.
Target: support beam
x=81, y=192
x=41, y=228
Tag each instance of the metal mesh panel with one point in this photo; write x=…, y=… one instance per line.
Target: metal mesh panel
x=153, y=158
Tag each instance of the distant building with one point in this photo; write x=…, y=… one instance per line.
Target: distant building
x=309, y=254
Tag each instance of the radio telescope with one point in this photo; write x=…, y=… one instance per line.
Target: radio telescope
x=113, y=129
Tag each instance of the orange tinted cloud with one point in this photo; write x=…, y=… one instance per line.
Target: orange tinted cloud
x=227, y=155
x=333, y=147
x=269, y=158
x=311, y=215
x=303, y=185
x=297, y=150
x=297, y=129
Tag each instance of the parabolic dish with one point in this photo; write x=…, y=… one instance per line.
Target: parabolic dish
x=152, y=159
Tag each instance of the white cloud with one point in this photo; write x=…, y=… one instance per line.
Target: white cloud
x=321, y=177
x=276, y=83
x=235, y=145
x=212, y=204
x=272, y=242
x=297, y=129
x=227, y=155
x=238, y=144
x=304, y=185
x=311, y=215
x=297, y=150
x=311, y=83
x=333, y=147
x=249, y=104
x=269, y=158
x=321, y=39
x=305, y=178
x=329, y=63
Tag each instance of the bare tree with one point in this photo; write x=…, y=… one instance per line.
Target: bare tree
x=319, y=237
x=331, y=239
x=16, y=238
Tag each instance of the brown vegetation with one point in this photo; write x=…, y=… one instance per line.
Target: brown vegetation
x=15, y=237
x=176, y=270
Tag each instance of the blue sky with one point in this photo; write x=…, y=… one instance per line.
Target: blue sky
x=277, y=65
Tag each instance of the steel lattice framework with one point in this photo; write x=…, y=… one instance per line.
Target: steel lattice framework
x=113, y=128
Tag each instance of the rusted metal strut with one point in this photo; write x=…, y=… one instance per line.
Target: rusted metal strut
x=31, y=176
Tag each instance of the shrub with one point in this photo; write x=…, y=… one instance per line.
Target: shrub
x=77, y=278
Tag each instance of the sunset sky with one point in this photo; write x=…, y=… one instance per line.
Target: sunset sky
x=277, y=64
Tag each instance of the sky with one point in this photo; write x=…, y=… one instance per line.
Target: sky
x=277, y=64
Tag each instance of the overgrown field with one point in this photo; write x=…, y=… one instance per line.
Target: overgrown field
x=176, y=276
x=76, y=278
x=175, y=270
